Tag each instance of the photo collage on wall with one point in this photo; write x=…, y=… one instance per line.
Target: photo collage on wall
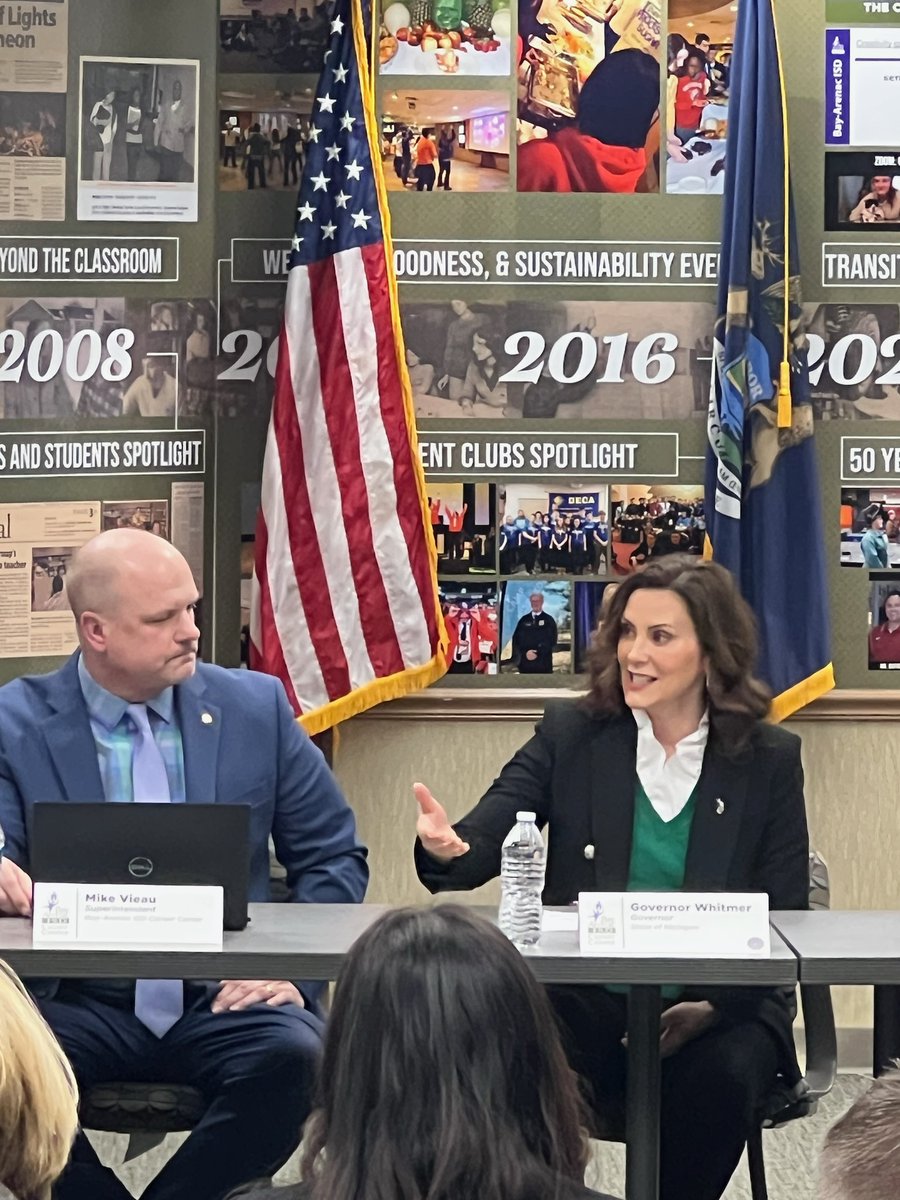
x=590, y=114
x=855, y=347
x=532, y=320
x=270, y=57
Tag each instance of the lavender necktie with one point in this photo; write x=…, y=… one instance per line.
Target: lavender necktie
x=158, y=1003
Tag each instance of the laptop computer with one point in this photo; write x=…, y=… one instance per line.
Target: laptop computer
x=146, y=843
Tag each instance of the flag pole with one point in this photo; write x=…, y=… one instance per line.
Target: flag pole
x=373, y=48
x=374, y=138
x=784, y=383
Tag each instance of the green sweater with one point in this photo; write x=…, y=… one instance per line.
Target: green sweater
x=658, y=847
x=658, y=856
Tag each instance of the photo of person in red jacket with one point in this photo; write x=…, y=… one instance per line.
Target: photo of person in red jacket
x=603, y=150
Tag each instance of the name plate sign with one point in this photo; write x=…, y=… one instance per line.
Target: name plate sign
x=674, y=924
x=90, y=916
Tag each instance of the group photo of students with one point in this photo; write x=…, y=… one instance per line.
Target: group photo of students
x=548, y=528
x=650, y=522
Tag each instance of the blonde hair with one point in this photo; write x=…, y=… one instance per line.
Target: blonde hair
x=38, y=1095
x=861, y=1156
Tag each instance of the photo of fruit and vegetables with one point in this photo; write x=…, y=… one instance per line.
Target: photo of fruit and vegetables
x=445, y=37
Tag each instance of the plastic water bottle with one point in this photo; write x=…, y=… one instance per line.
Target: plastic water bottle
x=523, y=861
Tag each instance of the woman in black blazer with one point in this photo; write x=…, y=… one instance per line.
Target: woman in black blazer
x=665, y=777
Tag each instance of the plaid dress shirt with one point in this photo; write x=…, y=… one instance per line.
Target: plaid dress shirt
x=114, y=738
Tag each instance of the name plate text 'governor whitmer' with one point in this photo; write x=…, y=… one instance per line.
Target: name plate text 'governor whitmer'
x=674, y=924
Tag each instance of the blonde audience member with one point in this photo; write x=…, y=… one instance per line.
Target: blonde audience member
x=38, y=1097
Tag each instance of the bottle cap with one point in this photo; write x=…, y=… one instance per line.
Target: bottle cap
x=526, y=816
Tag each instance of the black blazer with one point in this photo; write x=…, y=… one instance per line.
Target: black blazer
x=578, y=774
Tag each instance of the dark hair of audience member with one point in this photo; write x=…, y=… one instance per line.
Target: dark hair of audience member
x=442, y=1076
x=725, y=627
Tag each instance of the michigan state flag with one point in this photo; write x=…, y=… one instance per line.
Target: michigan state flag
x=762, y=491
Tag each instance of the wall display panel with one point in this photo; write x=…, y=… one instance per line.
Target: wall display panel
x=557, y=298
x=107, y=311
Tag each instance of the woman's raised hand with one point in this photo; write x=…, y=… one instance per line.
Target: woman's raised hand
x=434, y=830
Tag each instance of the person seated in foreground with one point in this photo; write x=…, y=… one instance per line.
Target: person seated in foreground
x=38, y=1097
x=861, y=1156
x=442, y=1076
x=664, y=777
x=132, y=717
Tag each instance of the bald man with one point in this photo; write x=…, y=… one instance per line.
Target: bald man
x=220, y=736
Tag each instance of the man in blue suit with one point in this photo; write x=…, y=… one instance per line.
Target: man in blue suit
x=133, y=716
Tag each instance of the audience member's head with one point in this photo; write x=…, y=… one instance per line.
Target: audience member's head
x=38, y=1097
x=861, y=1156
x=442, y=1073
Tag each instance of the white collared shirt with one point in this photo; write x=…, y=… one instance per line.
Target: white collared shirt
x=669, y=784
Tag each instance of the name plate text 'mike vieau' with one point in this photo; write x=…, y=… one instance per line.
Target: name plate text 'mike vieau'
x=90, y=916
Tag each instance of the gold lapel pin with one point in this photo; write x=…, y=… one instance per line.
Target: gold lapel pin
x=206, y=718
x=720, y=806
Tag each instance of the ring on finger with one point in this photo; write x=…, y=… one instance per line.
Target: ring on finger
x=270, y=989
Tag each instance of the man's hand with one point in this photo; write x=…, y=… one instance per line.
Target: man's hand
x=434, y=830
x=237, y=994
x=682, y=1023
x=15, y=890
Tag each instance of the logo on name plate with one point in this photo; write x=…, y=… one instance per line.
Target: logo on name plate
x=602, y=925
x=54, y=916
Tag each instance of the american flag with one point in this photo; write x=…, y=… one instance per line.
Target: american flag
x=345, y=607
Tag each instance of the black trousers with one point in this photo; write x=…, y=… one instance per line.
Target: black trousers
x=255, y=1069
x=425, y=178
x=255, y=168
x=711, y=1091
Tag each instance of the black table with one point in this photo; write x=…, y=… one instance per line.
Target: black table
x=838, y=947
x=309, y=941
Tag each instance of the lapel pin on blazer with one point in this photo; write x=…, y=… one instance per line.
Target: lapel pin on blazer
x=206, y=718
x=720, y=806
x=589, y=852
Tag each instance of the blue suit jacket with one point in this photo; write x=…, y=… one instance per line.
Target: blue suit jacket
x=252, y=752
